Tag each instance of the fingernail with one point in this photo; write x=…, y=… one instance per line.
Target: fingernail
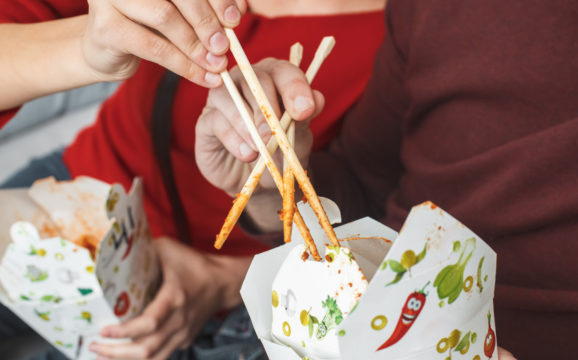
x=245, y=150
x=302, y=104
x=215, y=60
x=264, y=130
x=218, y=42
x=232, y=14
x=212, y=79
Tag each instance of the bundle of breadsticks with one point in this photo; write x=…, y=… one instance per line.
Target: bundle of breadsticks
x=283, y=137
x=344, y=304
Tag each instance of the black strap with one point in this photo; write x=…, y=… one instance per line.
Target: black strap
x=161, y=125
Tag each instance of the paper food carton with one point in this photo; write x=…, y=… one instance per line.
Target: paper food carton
x=64, y=291
x=426, y=293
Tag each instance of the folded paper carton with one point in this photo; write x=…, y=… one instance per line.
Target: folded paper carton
x=428, y=292
x=64, y=291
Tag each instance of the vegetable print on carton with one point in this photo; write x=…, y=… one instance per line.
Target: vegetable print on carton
x=428, y=295
x=66, y=292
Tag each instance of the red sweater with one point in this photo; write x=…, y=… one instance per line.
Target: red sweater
x=474, y=105
x=118, y=146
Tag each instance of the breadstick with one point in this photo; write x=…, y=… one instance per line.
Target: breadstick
x=279, y=133
x=288, y=211
x=242, y=198
x=248, y=120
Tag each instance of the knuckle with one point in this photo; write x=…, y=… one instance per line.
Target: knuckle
x=152, y=324
x=236, y=118
x=182, y=337
x=194, y=47
x=279, y=66
x=294, y=83
x=193, y=72
x=158, y=48
x=206, y=20
x=179, y=298
x=146, y=351
x=163, y=13
x=266, y=61
x=273, y=64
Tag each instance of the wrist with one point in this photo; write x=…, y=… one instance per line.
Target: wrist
x=229, y=274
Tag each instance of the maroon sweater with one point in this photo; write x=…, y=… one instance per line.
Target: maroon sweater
x=474, y=106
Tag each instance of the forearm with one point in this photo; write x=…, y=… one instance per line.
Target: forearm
x=229, y=275
x=42, y=58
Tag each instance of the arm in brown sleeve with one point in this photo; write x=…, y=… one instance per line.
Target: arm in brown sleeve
x=362, y=166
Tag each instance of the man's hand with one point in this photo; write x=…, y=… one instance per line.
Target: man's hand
x=505, y=354
x=184, y=36
x=223, y=146
x=195, y=287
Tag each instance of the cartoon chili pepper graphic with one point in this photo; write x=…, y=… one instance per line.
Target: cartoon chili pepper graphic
x=411, y=309
x=490, y=343
x=128, y=247
x=122, y=304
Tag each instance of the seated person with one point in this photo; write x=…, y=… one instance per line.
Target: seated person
x=474, y=106
x=71, y=44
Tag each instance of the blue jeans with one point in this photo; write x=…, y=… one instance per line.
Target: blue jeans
x=231, y=338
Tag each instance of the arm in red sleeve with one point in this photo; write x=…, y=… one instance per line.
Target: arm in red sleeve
x=362, y=165
x=30, y=11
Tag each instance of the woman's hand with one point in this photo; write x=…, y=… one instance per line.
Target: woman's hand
x=223, y=145
x=184, y=36
x=195, y=287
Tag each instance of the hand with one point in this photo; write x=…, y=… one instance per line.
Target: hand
x=505, y=354
x=184, y=36
x=195, y=286
x=223, y=145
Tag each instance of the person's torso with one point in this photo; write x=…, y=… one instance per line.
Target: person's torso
x=490, y=134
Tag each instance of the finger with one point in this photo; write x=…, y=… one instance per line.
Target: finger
x=222, y=100
x=228, y=11
x=144, y=348
x=292, y=85
x=269, y=87
x=230, y=138
x=319, y=100
x=205, y=23
x=131, y=350
x=149, y=345
x=152, y=47
x=242, y=6
x=177, y=340
x=151, y=320
x=164, y=17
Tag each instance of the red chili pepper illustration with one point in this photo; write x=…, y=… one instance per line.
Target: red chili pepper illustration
x=122, y=304
x=490, y=342
x=412, y=308
x=128, y=246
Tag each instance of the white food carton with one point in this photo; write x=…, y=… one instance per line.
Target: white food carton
x=54, y=285
x=429, y=294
